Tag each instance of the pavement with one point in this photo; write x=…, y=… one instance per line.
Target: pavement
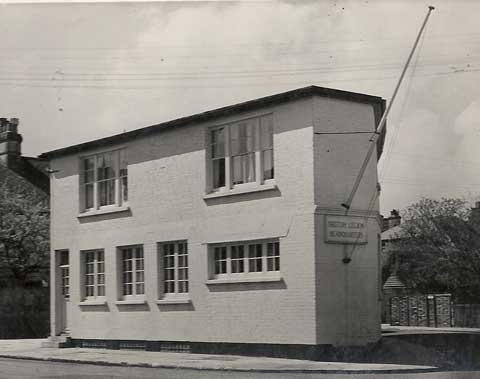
x=31, y=349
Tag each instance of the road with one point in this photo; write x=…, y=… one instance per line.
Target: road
x=24, y=369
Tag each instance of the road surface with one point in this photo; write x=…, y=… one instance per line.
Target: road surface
x=25, y=369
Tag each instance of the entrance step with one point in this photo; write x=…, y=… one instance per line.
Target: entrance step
x=60, y=341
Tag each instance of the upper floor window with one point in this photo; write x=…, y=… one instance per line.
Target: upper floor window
x=104, y=180
x=242, y=152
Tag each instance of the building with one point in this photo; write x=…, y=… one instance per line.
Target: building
x=393, y=220
x=222, y=231
x=28, y=168
x=24, y=184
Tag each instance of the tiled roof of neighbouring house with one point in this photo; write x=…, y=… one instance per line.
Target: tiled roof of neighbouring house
x=392, y=233
x=393, y=282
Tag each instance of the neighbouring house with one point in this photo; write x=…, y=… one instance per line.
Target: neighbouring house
x=222, y=231
x=392, y=286
x=403, y=305
x=30, y=169
x=390, y=222
x=23, y=293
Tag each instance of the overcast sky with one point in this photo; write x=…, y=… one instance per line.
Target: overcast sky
x=77, y=72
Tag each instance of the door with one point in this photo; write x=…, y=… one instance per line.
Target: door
x=64, y=273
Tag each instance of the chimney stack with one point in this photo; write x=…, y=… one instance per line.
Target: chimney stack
x=10, y=142
x=393, y=220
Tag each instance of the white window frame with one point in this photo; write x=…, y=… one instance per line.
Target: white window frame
x=258, y=151
x=247, y=259
x=119, y=177
x=64, y=272
x=177, y=292
x=97, y=294
x=136, y=268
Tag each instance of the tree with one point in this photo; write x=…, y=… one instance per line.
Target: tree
x=24, y=229
x=438, y=249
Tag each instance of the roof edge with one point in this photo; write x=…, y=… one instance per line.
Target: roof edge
x=377, y=102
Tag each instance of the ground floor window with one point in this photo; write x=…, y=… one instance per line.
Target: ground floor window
x=132, y=271
x=173, y=258
x=244, y=258
x=94, y=273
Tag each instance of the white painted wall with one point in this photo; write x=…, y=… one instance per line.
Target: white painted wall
x=167, y=181
x=348, y=307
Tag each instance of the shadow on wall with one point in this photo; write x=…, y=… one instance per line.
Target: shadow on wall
x=24, y=312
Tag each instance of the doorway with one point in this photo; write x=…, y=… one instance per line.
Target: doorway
x=64, y=298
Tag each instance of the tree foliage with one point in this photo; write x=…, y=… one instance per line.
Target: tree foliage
x=24, y=229
x=438, y=249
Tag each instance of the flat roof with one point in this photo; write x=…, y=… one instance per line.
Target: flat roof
x=377, y=102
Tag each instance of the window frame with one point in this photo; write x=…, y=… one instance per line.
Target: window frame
x=232, y=264
x=95, y=274
x=64, y=273
x=162, y=267
x=119, y=156
x=259, y=150
x=134, y=295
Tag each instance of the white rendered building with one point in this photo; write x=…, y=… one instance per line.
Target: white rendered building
x=222, y=231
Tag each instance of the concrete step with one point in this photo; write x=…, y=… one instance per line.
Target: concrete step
x=60, y=341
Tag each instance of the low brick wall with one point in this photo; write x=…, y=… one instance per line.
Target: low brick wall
x=446, y=350
x=24, y=312
x=421, y=310
x=467, y=315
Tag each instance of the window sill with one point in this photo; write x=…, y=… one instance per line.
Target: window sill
x=98, y=212
x=92, y=302
x=174, y=300
x=256, y=279
x=131, y=302
x=241, y=191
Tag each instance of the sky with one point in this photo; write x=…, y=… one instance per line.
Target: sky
x=74, y=72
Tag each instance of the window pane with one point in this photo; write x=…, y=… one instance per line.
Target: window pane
x=243, y=168
x=242, y=137
x=123, y=163
x=220, y=260
x=124, y=189
x=106, y=192
x=218, y=173
x=105, y=164
x=88, y=170
x=127, y=289
x=266, y=132
x=88, y=196
x=237, y=259
x=255, y=258
x=267, y=157
x=217, y=143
